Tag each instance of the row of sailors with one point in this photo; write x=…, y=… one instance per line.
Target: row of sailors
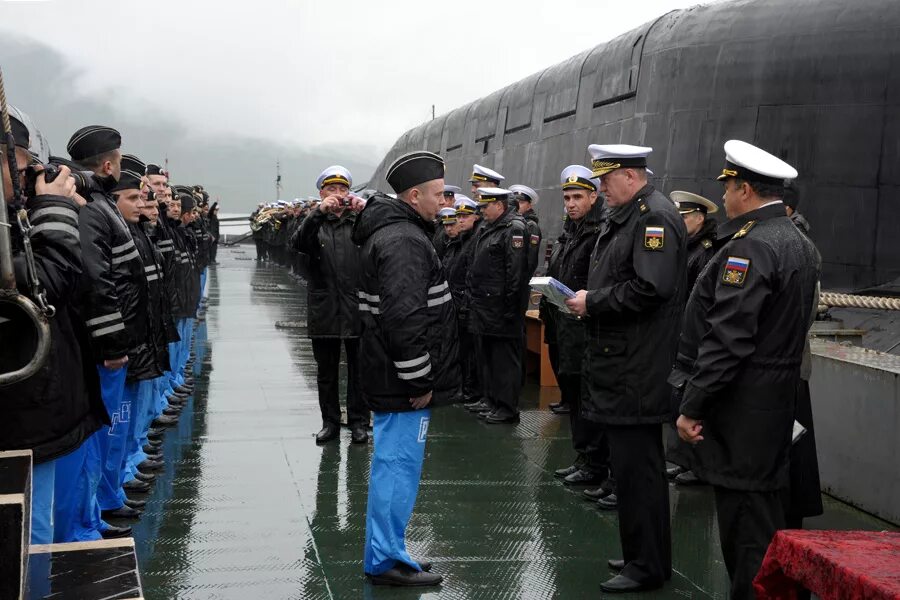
x=122, y=256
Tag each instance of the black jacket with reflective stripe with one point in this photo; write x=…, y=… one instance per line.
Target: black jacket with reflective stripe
x=409, y=333
x=149, y=357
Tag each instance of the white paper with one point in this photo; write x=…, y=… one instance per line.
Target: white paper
x=554, y=291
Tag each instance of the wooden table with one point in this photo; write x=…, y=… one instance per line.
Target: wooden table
x=535, y=346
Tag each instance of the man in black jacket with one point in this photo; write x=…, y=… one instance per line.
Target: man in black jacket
x=408, y=354
x=457, y=260
x=524, y=200
x=585, y=217
x=325, y=237
x=497, y=289
x=56, y=410
x=701, y=229
x=113, y=292
x=633, y=302
x=739, y=358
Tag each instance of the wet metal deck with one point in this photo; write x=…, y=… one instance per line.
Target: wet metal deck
x=249, y=507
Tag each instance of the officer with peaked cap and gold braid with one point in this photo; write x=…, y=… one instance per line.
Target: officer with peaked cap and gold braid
x=633, y=300
x=525, y=199
x=739, y=357
x=457, y=259
x=484, y=177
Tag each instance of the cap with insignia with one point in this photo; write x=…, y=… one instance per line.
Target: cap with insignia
x=576, y=177
x=465, y=205
x=523, y=190
x=688, y=203
x=484, y=175
x=334, y=174
x=153, y=169
x=414, y=169
x=606, y=158
x=492, y=194
x=447, y=216
x=133, y=170
x=451, y=190
x=746, y=161
x=93, y=140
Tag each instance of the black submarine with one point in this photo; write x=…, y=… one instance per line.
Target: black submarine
x=816, y=82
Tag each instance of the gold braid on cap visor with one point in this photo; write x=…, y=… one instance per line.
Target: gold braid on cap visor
x=602, y=167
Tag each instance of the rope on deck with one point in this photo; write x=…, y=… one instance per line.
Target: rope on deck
x=836, y=300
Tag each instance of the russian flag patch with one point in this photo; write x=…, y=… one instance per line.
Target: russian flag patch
x=736, y=269
x=654, y=238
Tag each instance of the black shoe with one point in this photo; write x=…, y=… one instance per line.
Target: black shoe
x=328, y=432
x=179, y=396
x=171, y=411
x=616, y=564
x=561, y=410
x=673, y=472
x=425, y=566
x=123, y=512
x=115, y=532
x=608, y=502
x=135, y=486
x=688, y=478
x=135, y=504
x=151, y=449
x=554, y=405
x=621, y=584
x=595, y=494
x=189, y=383
x=164, y=421
x=561, y=473
x=358, y=434
x=155, y=434
x=402, y=575
x=146, y=466
x=495, y=418
x=184, y=389
x=479, y=406
x=581, y=477
x=145, y=477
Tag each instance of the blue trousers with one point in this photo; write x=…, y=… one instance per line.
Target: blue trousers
x=393, y=486
x=141, y=406
x=43, y=477
x=74, y=491
x=202, y=286
x=118, y=398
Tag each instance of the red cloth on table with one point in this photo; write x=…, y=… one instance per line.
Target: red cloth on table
x=834, y=565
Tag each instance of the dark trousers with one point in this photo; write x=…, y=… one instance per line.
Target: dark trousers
x=260, y=249
x=678, y=452
x=588, y=437
x=501, y=373
x=468, y=364
x=327, y=352
x=747, y=523
x=213, y=251
x=643, y=493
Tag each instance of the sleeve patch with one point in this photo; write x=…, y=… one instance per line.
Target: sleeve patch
x=736, y=269
x=535, y=240
x=518, y=241
x=654, y=238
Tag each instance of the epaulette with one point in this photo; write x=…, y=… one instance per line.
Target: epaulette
x=707, y=243
x=642, y=206
x=744, y=230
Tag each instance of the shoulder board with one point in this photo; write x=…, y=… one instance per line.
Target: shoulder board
x=744, y=230
x=707, y=243
x=642, y=206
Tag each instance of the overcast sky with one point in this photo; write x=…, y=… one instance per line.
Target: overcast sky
x=351, y=73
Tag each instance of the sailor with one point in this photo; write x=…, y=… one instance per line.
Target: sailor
x=484, y=177
x=113, y=278
x=525, y=200
x=701, y=229
x=450, y=192
x=408, y=351
x=457, y=260
x=440, y=235
x=633, y=301
x=497, y=286
x=325, y=237
x=585, y=216
x=53, y=412
x=739, y=357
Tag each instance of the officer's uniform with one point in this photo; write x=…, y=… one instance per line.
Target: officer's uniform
x=457, y=260
x=441, y=238
x=634, y=302
x=333, y=307
x=739, y=362
x=497, y=287
x=531, y=221
x=588, y=437
x=408, y=349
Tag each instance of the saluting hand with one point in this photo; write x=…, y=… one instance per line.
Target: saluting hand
x=578, y=304
x=420, y=401
x=689, y=429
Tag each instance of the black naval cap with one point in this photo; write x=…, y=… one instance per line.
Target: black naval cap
x=154, y=169
x=132, y=172
x=93, y=140
x=20, y=132
x=413, y=169
x=187, y=202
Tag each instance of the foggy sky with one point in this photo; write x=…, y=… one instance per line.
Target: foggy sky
x=312, y=82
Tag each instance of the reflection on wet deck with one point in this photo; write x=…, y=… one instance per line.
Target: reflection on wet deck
x=249, y=507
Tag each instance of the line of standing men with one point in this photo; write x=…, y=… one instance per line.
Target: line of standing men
x=126, y=284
